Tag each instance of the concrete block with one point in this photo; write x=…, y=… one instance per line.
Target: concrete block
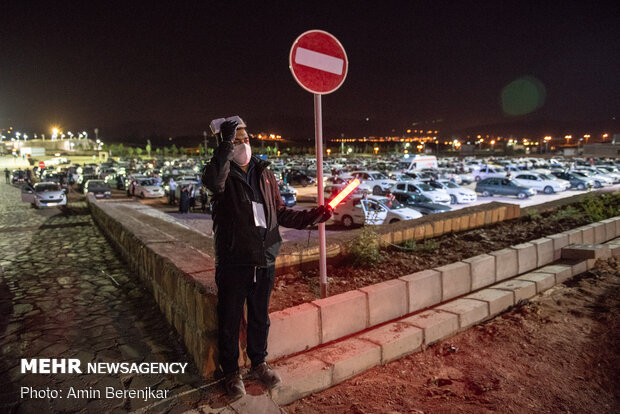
x=520, y=288
x=562, y=272
x=455, y=280
x=424, y=289
x=527, y=257
x=292, y=330
x=428, y=230
x=419, y=232
x=496, y=300
x=610, y=229
x=506, y=263
x=600, y=232
x=587, y=234
x=349, y=357
x=543, y=281
x=436, y=324
x=301, y=375
x=614, y=248
x=559, y=240
x=438, y=227
x=579, y=266
x=386, y=301
x=470, y=311
x=396, y=340
x=342, y=315
x=482, y=269
x=575, y=236
x=590, y=263
x=447, y=226
x=544, y=251
x=617, y=225
x=586, y=251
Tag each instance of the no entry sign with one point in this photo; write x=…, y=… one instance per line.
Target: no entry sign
x=318, y=62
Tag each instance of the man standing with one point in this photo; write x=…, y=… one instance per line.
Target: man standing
x=7, y=175
x=247, y=212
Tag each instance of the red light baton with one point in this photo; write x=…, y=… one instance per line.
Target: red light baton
x=345, y=192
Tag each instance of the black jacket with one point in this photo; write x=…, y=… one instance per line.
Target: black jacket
x=237, y=239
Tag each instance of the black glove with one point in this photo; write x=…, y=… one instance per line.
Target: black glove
x=320, y=214
x=228, y=129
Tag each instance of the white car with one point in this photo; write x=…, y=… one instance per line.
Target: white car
x=372, y=210
x=488, y=171
x=379, y=182
x=458, y=194
x=437, y=195
x=146, y=188
x=45, y=194
x=541, y=182
x=600, y=180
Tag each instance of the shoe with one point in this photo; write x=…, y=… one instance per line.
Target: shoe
x=265, y=374
x=234, y=386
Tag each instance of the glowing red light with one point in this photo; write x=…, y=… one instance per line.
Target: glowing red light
x=345, y=192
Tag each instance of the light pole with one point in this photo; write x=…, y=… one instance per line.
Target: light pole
x=547, y=139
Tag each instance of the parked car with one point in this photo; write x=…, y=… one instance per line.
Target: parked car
x=97, y=188
x=458, y=194
x=288, y=195
x=542, y=183
x=372, y=210
x=600, y=179
x=503, y=186
x=488, y=171
x=379, y=182
x=146, y=188
x=576, y=181
x=44, y=195
x=438, y=195
x=18, y=176
x=421, y=203
x=296, y=177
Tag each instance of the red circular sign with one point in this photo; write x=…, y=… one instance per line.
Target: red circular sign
x=318, y=62
x=41, y=164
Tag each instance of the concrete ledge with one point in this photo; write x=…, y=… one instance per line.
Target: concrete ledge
x=469, y=311
x=579, y=267
x=455, y=280
x=575, y=236
x=386, y=301
x=587, y=234
x=436, y=324
x=396, y=340
x=506, y=264
x=526, y=255
x=482, y=269
x=520, y=288
x=561, y=272
x=349, y=357
x=543, y=281
x=610, y=229
x=301, y=376
x=497, y=300
x=342, y=315
x=299, y=324
x=586, y=251
x=600, y=232
x=424, y=289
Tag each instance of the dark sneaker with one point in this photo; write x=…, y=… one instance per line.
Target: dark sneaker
x=234, y=386
x=265, y=374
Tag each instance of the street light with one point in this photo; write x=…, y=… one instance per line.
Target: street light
x=567, y=138
x=547, y=139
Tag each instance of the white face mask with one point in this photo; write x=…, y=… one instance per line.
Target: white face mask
x=242, y=154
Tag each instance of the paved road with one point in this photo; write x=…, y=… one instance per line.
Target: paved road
x=66, y=294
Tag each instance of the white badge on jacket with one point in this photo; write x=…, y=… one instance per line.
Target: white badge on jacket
x=259, y=214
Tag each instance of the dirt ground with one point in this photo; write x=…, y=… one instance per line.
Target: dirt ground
x=295, y=288
x=558, y=353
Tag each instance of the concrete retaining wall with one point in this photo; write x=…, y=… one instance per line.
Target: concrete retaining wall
x=338, y=316
x=181, y=277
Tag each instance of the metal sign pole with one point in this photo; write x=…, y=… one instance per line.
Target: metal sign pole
x=318, y=134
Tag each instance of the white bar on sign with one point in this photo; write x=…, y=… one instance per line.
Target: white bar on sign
x=319, y=61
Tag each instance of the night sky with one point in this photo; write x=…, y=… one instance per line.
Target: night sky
x=139, y=68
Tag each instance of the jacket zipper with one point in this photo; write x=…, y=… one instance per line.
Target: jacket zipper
x=254, y=274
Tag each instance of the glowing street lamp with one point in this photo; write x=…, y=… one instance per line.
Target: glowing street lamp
x=329, y=151
x=567, y=138
x=547, y=139
x=376, y=150
x=492, y=145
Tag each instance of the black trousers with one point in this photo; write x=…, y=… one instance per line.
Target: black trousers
x=236, y=285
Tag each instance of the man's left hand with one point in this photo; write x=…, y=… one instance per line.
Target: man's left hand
x=321, y=214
